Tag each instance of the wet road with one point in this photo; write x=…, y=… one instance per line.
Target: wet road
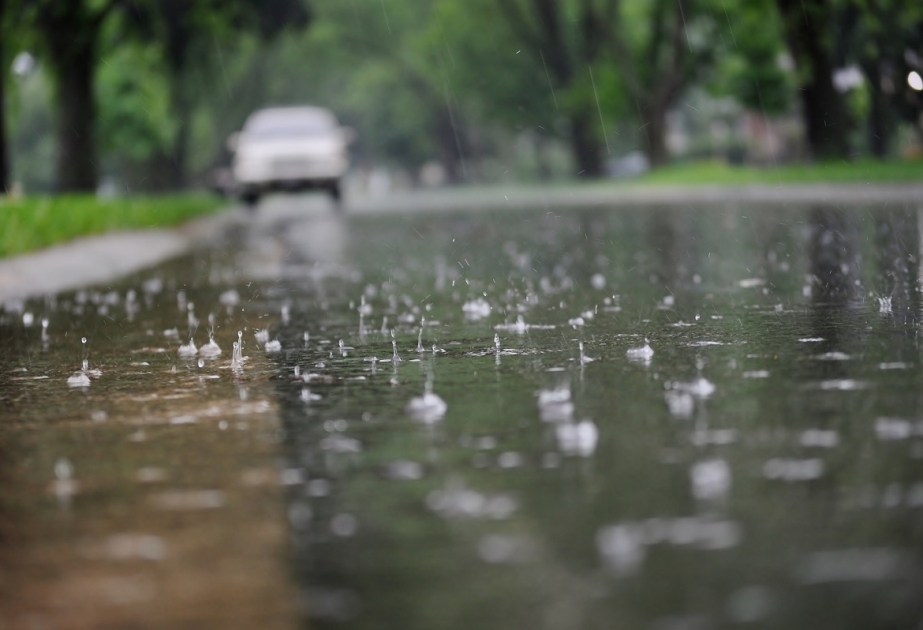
x=684, y=417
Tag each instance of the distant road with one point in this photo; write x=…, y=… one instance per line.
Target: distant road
x=101, y=258
x=625, y=195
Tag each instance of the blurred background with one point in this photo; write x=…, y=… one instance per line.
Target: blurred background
x=125, y=96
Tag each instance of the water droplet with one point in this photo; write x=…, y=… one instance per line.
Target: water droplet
x=318, y=488
x=300, y=515
x=641, y=354
x=711, y=479
x=749, y=604
x=63, y=469
x=577, y=438
x=427, y=408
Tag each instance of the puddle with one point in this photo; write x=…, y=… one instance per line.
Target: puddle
x=581, y=419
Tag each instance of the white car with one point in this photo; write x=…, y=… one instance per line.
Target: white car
x=290, y=149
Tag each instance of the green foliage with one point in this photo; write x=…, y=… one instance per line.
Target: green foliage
x=485, y=58
x=453, y=80
x=135, y=120
x=34, y=222
x=751, y=68
x=374, y=65
x=884, y=38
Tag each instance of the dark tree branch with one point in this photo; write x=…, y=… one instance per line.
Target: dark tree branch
x=826, y=117
x=654, y=43
x=676, y=74
x=590, y=26
x=549, y=19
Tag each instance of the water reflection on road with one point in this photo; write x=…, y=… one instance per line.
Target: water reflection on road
x=760, y=464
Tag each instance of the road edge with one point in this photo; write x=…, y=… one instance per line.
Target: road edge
x=104, y=257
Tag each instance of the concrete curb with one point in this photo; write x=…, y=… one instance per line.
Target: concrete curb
x=95, y=259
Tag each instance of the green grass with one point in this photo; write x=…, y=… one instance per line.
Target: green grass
x=859, y=171
x=35, y=222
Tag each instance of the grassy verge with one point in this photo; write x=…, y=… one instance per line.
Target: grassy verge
x=859, y=171
x=35, y=222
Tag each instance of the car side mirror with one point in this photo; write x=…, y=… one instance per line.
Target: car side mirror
x=232, y=141
x=349, y=134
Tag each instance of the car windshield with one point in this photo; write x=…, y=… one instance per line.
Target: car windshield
x=278, y=125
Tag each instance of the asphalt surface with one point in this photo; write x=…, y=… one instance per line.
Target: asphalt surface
x=102, y=258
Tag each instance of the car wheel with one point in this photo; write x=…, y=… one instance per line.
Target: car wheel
x=250, y=199
x=336, y=193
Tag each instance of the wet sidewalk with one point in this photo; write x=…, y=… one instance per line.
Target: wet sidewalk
x=101, y=258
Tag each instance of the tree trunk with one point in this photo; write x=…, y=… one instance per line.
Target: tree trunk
x=4, y=163
x=74, y=68
x=585, y=146
x=878, y=112
x=76, y=169
x=177, y=15
x=825, y=117
x=655, y=137
x=180, y=149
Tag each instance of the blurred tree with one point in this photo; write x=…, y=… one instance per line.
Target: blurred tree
x=188, y=31
x=751, y=67
x=136, y=123
x=505, y=79
x=641, y=55
x=812, y=31
x=883, y=37
x=568, y=38
x=909, y=101
x=377, y=67
x=4, y=154
x=69, y=32
x=661, y=49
